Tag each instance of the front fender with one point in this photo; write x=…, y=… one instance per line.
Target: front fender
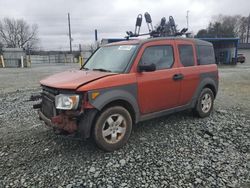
x=126, y=93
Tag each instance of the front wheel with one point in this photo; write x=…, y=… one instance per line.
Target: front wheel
x=205, y=103
x=113, y=128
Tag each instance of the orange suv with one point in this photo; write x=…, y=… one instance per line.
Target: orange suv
x=127, y=82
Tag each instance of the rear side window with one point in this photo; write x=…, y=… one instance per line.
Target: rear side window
x=186, y=55
x=161, y=56
x=205, y=55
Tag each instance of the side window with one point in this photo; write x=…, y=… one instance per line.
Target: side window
x=186, y=55
x=206, y=55
x=161, y=56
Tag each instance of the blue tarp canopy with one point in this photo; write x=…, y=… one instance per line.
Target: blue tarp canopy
x=221, y=44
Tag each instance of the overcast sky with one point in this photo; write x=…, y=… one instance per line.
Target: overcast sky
x=111, y=17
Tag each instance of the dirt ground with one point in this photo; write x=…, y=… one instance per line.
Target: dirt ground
x=234, y=89
x=173, y=151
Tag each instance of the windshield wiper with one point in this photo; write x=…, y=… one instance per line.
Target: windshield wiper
x=85, y=68
x=102, y=70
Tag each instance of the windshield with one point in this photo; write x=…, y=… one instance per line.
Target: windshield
x=111, y=58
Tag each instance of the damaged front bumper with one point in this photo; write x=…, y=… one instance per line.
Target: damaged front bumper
x=72, y=122
x=78, y=122
x=65, y=121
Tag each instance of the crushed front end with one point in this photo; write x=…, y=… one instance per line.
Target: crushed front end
x=60, y=109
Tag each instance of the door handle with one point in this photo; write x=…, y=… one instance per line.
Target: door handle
x=178, y=77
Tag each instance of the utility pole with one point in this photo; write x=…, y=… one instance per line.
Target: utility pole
x=187, y=19
x=80, y=48
x=96, y=39
x=70, y=39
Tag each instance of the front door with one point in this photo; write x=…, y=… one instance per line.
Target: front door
x=160, y=89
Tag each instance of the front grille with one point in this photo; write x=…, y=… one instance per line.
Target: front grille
x=50, y=90
x=48, y=103
x=48, y=100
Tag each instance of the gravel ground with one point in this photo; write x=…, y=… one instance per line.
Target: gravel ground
x=173, y=151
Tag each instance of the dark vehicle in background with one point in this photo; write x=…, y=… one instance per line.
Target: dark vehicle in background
x=240, y=58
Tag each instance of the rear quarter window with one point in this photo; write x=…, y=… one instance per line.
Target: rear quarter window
x=205, y=55
x=186, y=55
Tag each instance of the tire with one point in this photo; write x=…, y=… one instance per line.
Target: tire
x=205, y=103
x=112, y=128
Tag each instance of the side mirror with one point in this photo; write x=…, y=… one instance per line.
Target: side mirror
x=147, y=68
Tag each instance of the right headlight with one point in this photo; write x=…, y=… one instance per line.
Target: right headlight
x=67, y=101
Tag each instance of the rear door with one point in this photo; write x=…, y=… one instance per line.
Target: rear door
x=158, y=90
x=189, y=70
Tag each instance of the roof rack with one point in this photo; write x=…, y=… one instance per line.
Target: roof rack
x=164, y=29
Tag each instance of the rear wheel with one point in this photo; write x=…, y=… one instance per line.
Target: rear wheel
x=205, y=103
x=113, y=128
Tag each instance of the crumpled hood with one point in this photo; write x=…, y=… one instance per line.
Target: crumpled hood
x=73, y=79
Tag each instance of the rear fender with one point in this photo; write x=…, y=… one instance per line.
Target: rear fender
x=209, y=78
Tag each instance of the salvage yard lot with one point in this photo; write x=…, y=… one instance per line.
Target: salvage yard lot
x=178, y=150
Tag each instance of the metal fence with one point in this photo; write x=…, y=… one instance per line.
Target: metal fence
x=19, y=58
x=244, y=45
x=13, y=57
x=57, y=58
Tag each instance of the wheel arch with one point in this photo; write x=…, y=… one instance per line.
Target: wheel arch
x=125, y=96
x=123, y=103
x=212, y=87
x=205, y=83
x=86, y=123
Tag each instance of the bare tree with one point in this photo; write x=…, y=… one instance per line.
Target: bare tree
x=248, y=28
x=17, y=33
x=227, y=26
x=1, y=47
x=242, y=29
